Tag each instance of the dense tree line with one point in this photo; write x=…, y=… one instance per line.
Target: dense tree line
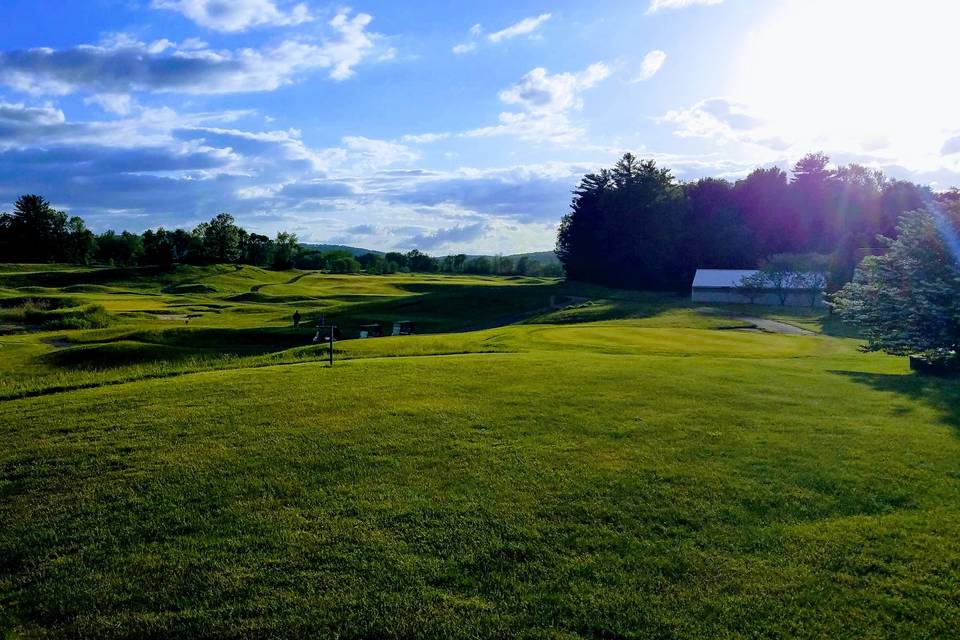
x=419, y=262
x=636, y=226
x=35, y=232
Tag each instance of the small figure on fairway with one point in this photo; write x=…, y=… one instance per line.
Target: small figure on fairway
x=296, y=319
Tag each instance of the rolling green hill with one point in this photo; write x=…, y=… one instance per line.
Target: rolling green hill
x=620, y=465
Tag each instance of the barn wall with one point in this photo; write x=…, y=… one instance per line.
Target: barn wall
x=723, y=295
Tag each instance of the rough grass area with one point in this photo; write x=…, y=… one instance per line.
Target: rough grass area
x=52, y=313
x=629, y=468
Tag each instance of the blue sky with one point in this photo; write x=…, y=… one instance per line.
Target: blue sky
x=450, y=126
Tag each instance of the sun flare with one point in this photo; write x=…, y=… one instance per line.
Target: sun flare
x=858, y=75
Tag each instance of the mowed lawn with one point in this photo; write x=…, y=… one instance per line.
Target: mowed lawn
x=596, y=480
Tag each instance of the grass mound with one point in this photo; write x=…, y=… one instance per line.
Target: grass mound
x=116, y=354
x=53, y=313
x=190, y=287
x=260, y=297
x=82, y=275
x=88, y=288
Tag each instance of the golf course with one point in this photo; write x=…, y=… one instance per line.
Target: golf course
x=542, y=459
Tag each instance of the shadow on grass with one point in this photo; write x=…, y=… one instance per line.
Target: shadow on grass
x=941, y=393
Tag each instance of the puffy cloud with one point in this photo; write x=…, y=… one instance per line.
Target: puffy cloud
x=444, y=237
x=465, y=47
x=471, y=44
x=22, y=126
x=546, y=101
x=525, y=26
x=182, y=170
x=527, y=194
x=365, y=230
x=424, y=138
x=317, y=190
x=163, y=167
x=657, y=5
x=652, y=62
x=265, y=147
x=378, y=153
x=121, y=104
x=15, y=114
x=235, y=15
x=122, y=65
x=950, y=146
x=352, y=46
x=718, y=118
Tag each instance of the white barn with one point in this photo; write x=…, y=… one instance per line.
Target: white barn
x=720, y=286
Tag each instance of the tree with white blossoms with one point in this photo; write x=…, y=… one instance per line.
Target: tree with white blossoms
x=907, y=301
x=752, y=286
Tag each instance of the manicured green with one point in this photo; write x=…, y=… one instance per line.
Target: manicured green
x=630, y=466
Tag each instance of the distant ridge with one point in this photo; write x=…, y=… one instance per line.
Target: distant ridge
x=544, y=257
x=354, y=251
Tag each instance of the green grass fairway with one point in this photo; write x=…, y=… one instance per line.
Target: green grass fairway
x=626, y=467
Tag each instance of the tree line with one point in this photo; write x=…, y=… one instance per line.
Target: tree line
x=35, y=232
x=635, y=226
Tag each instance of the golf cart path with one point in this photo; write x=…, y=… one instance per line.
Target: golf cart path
x=775, y=326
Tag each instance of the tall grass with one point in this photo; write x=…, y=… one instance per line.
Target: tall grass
x=54, y=314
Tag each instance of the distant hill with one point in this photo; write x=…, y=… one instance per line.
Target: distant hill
x=544, y=257
x=355, y=251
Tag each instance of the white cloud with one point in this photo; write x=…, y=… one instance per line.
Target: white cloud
x=652, y=62
x=121, y=104
x=721, y=119
x=950, y=146
x=460, y=235
x=17, y=114
x=657, y=5
x=123, y=65
x=372, y=153
x=353, y=44
x=545, y=101
x=471, y=43
x=525, y=26
x=235, y=15
x=424, y=138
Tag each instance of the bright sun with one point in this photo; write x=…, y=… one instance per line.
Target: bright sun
x=871, y=76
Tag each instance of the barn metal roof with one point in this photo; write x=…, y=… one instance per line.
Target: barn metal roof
x=720, y=277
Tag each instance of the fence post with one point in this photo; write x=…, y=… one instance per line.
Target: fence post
x=331, y=345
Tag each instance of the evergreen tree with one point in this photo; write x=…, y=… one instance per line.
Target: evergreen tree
x=907, y=301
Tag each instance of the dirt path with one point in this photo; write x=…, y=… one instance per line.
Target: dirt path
x=775, y=326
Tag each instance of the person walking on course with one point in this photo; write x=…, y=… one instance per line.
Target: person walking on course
x=296, y=319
